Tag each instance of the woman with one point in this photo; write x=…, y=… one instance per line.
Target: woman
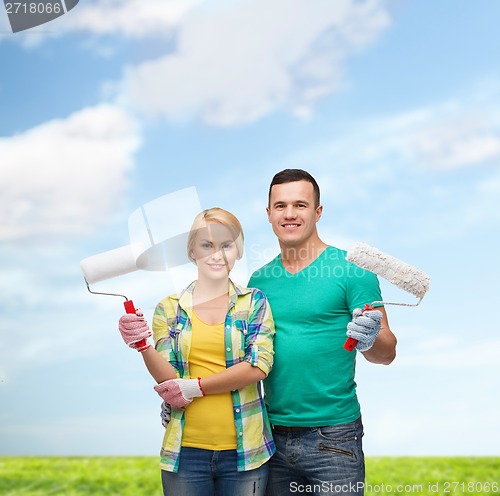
x=214, y=344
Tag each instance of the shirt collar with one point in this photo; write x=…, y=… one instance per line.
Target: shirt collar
x=185, y=298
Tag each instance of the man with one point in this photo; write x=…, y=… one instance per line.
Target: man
x=315, y=297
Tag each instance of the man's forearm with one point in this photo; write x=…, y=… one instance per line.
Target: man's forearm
x=383, y=350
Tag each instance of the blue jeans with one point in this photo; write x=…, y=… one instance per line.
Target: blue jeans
x=213, y=473
x=318, y=460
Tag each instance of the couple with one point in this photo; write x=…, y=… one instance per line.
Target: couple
x=216, y=341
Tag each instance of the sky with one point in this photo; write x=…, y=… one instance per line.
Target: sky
x=394, y=107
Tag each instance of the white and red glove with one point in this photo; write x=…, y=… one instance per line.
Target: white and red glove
x=179, y=392
x=364, y=327
x=135, y=330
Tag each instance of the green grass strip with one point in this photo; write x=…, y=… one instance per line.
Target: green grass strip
x=72, y=476
x=136, y=476
x=433, y=475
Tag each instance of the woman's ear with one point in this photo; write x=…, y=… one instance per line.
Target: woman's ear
x=191, y=257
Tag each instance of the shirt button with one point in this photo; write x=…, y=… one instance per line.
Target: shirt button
x=227, y=349
x=237, y=410
x=228, y=327
x=240, y=433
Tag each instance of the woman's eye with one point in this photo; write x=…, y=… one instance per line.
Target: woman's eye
x=205, y=245
x=227, y=246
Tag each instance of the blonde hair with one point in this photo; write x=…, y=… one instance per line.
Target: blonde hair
x=216, y=215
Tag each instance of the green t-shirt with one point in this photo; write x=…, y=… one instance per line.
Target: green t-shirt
x=312, y=379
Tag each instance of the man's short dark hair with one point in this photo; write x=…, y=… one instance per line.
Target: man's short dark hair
x=291, y=176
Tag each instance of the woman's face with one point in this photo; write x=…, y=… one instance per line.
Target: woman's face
x=214, y=251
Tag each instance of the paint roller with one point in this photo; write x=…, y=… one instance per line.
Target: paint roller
x=399, y=273
x=112, y=263
x=158, y=233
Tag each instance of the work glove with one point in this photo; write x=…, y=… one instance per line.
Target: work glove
x=179, y=392
x=134, y=330
x=364, y=327
x=165, y=414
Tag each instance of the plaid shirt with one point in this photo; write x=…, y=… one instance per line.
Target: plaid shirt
x=248, y=337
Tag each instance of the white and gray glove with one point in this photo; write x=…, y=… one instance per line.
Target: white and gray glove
x=165, y=413
x=364, y=327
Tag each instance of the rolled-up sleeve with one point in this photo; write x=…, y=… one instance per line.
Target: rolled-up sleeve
x=161, y=335
x=259, y=349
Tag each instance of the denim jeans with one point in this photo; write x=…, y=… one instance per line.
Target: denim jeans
x=318, y=460
x=213, y=473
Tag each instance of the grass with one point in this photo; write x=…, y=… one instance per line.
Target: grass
x=96, y=476
x=433, y=475
x=132, y=476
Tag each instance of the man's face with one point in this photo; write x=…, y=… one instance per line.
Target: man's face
x=292, y=212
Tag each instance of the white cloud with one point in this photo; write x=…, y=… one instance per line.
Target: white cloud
x=450, y=135
x=485, y=207
x=65, y=176
x=439, y=141
x=237, y=62
x=453, y=143
x=134, y=19
x=380, y=167
x=130, y=18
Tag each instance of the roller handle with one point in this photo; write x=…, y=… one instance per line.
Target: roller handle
x=351, y=343
x=129, y=306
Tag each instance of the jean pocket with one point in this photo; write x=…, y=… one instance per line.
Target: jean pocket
x=336, y=450
x=341, y=440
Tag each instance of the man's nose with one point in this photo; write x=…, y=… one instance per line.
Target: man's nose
x=290, y=212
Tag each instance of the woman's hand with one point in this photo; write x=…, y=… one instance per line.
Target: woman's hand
x=135, y=330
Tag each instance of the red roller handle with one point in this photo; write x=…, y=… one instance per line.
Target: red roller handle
x=129, y=306
x=351, y=343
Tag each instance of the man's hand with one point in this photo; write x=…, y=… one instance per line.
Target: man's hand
x=179, y=392
x=364, y=327
x=165, y=413
x=134, y=330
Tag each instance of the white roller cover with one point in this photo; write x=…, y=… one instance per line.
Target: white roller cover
x=111, y=263
x=158, y=238
x=399, y=273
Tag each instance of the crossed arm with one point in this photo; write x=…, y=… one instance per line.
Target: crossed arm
x=235, y=377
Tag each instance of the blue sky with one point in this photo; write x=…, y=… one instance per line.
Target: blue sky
x=392, y=106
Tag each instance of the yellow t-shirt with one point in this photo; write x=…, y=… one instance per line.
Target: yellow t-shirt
x=208, y=421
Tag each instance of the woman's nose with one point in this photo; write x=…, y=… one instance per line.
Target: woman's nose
x=217, y=254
